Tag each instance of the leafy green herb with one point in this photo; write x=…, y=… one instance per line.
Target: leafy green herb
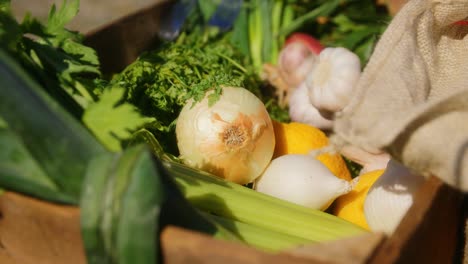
x=52, y=54
x=160, y=82
x=105, y=119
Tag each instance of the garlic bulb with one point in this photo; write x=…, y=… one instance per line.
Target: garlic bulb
x=390, y=197
x=332, y=81
x=233, y=139
x=301, y=110
x=302, y=179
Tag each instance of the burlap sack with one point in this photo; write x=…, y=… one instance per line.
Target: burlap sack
x=412, y=99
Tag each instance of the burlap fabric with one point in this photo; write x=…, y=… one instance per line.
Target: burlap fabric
x=412, y=98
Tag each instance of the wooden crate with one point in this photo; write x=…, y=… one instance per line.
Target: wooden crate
x=34, y=231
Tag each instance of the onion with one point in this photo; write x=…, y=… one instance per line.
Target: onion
x=295, y=62
x=390, y=197
x=303, y=180
x=232, y=139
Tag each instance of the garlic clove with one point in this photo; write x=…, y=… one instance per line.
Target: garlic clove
x=303, y=180
x=301, y=110
x=332, y=81
x=390, y=197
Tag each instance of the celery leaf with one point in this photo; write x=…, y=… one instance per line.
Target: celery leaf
x=112, y=121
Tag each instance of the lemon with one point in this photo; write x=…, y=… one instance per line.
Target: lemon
x=351, y=205
x=300, y=138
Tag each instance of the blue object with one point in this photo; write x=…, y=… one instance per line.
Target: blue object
x=226, y=13
x=173, y=21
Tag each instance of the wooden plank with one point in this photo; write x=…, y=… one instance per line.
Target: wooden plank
x=33, y=231
x=344, y=251
x=119, y=43
x=428, y=232
x=180, y=246
x=464, y=231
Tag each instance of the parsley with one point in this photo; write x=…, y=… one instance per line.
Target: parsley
x=160, y=82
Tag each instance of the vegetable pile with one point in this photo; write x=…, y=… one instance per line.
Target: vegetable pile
x=185, y=134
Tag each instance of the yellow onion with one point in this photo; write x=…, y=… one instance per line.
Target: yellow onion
x=232, y=139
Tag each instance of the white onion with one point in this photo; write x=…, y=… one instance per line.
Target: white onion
x=390, y=197
x=303, y=180
x=232, y=139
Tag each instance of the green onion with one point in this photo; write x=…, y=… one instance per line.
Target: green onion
x=255, y=35
x=323, y=10
x=276, y=24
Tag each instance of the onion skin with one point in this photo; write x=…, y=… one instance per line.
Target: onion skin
x=232, y=139
x=303, y=180
x=295, y=62
x=312, y=43
x=390, y=197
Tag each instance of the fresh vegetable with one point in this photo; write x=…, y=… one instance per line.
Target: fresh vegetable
x=294, y=64
x=161, y=82
x=390, y=197
x=123, y=196
x=124, y=192
x=302, y=179
x=128, y=198
x=261, y=31
x=61, y=146
x=259, y=237
x=312, y=44
x=300, y=138
x=331, y=82
x=232, y=138
x=302, y=111
x=351, y=205
x=105, y=118
x=52, y=55
x=327, y=88
x=237, y=202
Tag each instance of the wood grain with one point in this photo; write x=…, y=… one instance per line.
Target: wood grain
x=33, y=231
x=181, y=246
x=119, y=43
x=352, y=250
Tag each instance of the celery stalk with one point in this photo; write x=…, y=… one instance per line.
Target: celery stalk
x=258, y=237
x=242, y=204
